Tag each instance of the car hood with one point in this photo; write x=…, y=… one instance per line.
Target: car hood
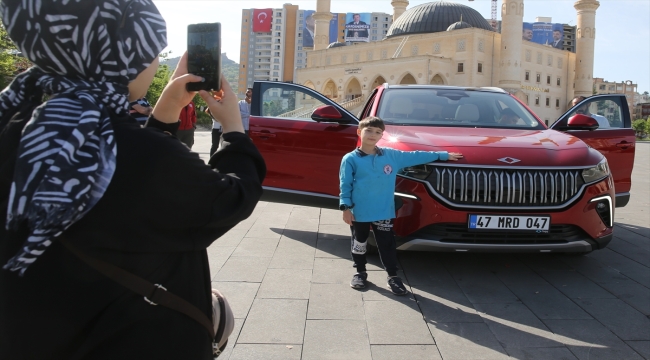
x=484, y=146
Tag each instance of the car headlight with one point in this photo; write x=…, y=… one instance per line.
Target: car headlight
x=596, y=173
x=419, y=171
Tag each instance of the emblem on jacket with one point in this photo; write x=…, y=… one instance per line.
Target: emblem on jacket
x=508, y=160
x=388, y=169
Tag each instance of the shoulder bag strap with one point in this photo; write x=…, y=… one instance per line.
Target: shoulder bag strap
x=154, y=294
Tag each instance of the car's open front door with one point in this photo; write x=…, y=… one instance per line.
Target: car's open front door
x=302, y=150
x=614, y=137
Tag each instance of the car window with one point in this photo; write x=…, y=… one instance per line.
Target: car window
x=288, y=102
x=454, y=107
x=607, y=112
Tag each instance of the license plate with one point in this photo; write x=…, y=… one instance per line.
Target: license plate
x=509, y=222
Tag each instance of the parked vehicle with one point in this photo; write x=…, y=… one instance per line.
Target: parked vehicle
x=520, y=187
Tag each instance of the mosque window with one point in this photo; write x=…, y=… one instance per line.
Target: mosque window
x=527, y=103
x=548, y=101
x=480, y=45
x=369, y=55
x=549, y=60
x=384, y=54
x=528, y=55
x=344, y=59
x=559, y=63
x=461, y=67
x=328, y=60
x=559, y=81
x=539, y=77
x=356, y=58
x=460, y=45
x=557, y=103
x=539, y=58
x=480, y=67
x=527, y=75
x=414, y=50
x=436, y=48
x=548, y=79
x=537, y=100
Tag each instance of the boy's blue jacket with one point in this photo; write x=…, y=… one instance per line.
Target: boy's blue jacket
x=367, y=182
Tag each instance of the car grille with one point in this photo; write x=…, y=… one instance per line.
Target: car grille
x=460, y=234
x=507, y=188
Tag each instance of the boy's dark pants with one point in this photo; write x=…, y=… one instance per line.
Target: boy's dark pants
x=385, y=238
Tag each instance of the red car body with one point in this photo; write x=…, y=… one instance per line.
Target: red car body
x=523, y=173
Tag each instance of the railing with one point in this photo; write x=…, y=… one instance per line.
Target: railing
x=351, y=104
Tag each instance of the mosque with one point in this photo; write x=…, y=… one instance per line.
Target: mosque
x=447, y=43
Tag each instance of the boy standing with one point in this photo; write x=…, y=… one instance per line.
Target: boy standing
x=367, y=181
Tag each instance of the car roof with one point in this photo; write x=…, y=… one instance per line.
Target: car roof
x=444, y=87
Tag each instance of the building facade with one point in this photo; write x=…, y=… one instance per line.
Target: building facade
x=602, y=86
x=419, y=51
x=276, y=55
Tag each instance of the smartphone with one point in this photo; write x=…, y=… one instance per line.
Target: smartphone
x=204, y=55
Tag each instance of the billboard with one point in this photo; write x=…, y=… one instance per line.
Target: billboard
x=309, y=26
x=262, y=20
x=544, y=33
x=357, y=27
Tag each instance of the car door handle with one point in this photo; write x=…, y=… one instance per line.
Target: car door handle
x=263, y=134
x=624, y=145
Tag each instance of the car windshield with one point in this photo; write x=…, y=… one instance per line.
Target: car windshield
x=454, y=107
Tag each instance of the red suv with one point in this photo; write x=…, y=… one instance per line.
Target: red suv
x=520, y=187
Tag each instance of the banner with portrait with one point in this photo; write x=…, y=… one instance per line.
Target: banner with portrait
x=544, y=33
x=309, y=26
x=357, y=27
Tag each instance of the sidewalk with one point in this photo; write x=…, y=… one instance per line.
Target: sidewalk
x=286, y=273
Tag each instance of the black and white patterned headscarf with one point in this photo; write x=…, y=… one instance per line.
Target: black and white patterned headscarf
x=85, y=54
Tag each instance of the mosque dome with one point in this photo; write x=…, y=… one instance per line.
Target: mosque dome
x=459, y=25
x=436, y=17
x=336, y=44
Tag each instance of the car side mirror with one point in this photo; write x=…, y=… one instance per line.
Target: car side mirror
x=327, y=113
x=582, y=122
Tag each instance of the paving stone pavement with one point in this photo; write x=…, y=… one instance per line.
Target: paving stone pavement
x=286, y=271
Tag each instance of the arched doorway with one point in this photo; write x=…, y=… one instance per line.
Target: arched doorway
x=378, y=81
x=352, y=90
x=408, y=79
x=310, y=85
x=437, y=80
x=329, y=90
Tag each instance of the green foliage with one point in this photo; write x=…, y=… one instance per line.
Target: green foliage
x=159, y=82
x=641, y=127
x=8, y=58
x=273, y=108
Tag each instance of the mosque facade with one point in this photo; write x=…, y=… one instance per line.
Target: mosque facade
x=446, y=43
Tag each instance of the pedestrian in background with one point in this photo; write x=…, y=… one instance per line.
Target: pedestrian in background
x=188, y=124
x=216, y=132
x=245, y=108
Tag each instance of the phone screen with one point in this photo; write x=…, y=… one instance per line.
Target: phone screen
x=204, y=55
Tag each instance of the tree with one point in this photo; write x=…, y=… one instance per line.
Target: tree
x=641, y=127
x=8, y=57
x=159, y=82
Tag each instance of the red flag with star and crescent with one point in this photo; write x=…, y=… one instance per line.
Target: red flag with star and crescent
x=262, y=21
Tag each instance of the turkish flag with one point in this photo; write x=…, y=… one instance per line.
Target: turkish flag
x=262, y=20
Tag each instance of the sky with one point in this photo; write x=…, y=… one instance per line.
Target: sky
x=622, y=26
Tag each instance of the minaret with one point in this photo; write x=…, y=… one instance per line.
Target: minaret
x=322, y=17
x=512, y=18
x=399, y=7
x=585, y=38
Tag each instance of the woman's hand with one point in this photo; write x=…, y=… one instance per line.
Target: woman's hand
x=175, y=95
x=348, y=217
x=224, y=107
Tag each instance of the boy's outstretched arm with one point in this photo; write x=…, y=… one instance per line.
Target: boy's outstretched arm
x=410, y=158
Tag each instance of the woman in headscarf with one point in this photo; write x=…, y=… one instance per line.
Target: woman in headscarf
x=86, y=172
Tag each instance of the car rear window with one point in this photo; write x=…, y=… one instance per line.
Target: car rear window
x=454, y=107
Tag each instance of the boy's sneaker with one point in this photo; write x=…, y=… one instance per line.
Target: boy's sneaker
x=359, y=280
x=396, y=285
